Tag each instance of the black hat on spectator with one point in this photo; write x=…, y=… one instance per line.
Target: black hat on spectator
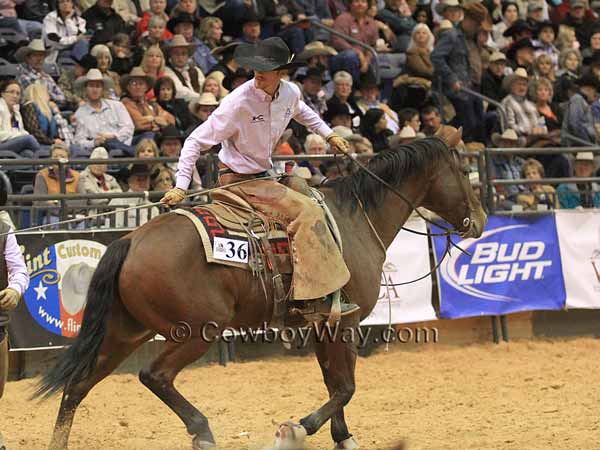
x=250, y=17
x=87, y=61
x=240, y=73
x=588, y=80
x=546, y=24
x=516, y=46
x=519, y=26
x=337, y=109
x=313, y=72
x=181, y=18
x=140, y=170
x=169, y=132
x=265, y=56
x=225, y=52
x=593, y=60
x=367, y=80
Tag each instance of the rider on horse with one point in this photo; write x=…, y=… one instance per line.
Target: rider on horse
x=248, y=123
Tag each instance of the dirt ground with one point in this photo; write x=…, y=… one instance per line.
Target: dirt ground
x=521, y=395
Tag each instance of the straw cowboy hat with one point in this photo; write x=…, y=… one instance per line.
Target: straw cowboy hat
x=520, y=73
x=266, y=56
x=406, y=134
x=317, y=48
x=497, y=56
x=137, y=72
x=441, y=7
x=93, y=75
x=35, y=46
x=206, y=99
x=584, y=156
x=179, y=41
x=509, y=137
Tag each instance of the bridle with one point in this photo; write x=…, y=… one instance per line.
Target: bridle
x=447, y=233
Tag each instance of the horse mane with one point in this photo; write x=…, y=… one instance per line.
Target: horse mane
x=392, y=165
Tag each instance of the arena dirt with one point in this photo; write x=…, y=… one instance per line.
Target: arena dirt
x=523, y=395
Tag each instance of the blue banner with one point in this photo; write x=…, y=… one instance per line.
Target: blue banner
x=514, y=266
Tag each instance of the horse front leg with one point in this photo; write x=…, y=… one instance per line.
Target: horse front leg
x=340, y=359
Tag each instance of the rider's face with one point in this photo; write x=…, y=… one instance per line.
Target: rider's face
x=267, y=81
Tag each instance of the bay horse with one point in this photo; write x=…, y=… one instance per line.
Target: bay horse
x=156, y=276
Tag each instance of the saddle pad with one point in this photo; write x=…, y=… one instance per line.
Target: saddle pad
x=209, y=228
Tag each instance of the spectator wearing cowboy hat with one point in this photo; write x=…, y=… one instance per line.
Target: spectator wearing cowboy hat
x=339, y=114
x=507, y=167
x=68, y=77
x=170, y=143
x=492, y=77
x=521, y=113
x=138, y=180
x=227, y=65
x=520, y=29
x=544, y=44
x=94, y=179
x=312, y=94
x=202, y=108
x=317, y=55
x=579, y=118
x=452, y=70
x=236, y=79
x=100, y=121
x=187, y=77
x=521, y=54
x=406, y=135
x=370, y=98
x=148, y=116
x=184, y=24
x=31, y=70
x=450, y=10
x=584, y=194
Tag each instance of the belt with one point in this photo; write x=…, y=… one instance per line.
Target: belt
x=223, y=170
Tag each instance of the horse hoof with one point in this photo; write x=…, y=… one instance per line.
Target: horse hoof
x=347, y=444
x=198, y=444
x=290, y=436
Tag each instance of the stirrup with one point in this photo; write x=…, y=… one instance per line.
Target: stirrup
x=328, y=308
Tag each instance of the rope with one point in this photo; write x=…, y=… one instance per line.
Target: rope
x=131, y=208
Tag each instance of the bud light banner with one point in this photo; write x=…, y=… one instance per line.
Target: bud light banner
x=514, y=266
x=60, y=267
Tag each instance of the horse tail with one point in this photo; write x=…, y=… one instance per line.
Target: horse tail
x=79, y=360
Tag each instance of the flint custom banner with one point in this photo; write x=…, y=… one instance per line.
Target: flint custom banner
x=579, y=239
x=407, y=259
x=514, y=266
x=61, y=265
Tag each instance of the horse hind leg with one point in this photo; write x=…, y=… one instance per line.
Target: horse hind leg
x=122, y=338
x=159, y=378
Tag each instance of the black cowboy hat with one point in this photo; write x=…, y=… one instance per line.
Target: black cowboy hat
x=265, y=56
x=239, y=73
x=181, y=18
x=367, y=80
x=250, y=17
x=140, y=170
x=518, y=26
x=516, y=46
x=546, y=24
x=169, y=132
x=337, y=109
x=588, y=80
x=313, y=72
x=87, y=61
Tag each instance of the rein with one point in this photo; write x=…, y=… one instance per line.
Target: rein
x=446, y=233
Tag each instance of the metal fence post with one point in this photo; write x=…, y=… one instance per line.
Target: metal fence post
x=62, y=178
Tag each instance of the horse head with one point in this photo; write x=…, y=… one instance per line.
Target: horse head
x=451, y=195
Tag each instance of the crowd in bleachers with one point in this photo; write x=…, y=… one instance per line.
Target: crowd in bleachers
x=123, y=78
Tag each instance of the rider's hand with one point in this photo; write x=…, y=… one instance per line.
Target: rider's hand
x=173, y=196
x=338, y=143
x=9, y=298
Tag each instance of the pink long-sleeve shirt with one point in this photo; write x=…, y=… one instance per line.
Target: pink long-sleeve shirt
x=248, y=123
x=18, y=276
